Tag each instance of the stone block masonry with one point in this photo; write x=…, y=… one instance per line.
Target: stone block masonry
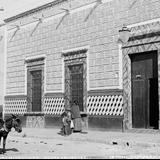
x=58, y=32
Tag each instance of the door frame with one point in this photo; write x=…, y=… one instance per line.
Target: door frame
x=34, y=65
x=145, y=56
x=144, y=37
x=71, y=58
x=127, y=92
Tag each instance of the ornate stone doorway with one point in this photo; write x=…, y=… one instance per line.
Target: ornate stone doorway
x=76, y=78
x=35, y=85
x=144, y=86
x=143, y=39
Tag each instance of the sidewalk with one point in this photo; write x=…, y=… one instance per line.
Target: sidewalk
x=105, y=137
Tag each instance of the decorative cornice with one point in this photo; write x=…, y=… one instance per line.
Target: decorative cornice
x=48, y=5
x=146, y=39
x=34, y=60
x=71, y=53
x=143, y=36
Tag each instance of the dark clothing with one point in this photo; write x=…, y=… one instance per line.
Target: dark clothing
x=1, y=123
x=67, y=129
x=66, y=124
x=77, y=124
x=65, y=121
x=75, y=111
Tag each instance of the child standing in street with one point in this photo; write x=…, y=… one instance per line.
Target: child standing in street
x=69, y=114
x=66, y=130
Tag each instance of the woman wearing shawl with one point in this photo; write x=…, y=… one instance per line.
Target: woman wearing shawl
x=76, y=117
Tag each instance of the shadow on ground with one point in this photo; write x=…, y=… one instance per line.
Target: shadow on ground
x=74, y=132
x=11, y=149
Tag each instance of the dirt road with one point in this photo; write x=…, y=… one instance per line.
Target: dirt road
x=34, y=148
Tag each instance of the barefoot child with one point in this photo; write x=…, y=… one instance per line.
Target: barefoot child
x=66, y=124
x=69, y=114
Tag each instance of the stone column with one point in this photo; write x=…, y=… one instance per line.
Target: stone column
x=127, y=123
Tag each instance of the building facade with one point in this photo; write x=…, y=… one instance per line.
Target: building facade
x=69, y=50
x=2, y=67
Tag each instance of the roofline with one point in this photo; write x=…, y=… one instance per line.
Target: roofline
x=34, y=10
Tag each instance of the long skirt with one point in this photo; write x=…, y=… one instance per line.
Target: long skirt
x=67, y=130
x=77, y=124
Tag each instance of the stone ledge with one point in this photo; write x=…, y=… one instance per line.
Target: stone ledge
x=34, y=114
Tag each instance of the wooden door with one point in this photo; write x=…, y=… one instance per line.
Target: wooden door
x=36, y=90
x=144, y=77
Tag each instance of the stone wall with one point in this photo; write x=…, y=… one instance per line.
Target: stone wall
x=2, y=42
x=59, y=31
x=99, y=31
